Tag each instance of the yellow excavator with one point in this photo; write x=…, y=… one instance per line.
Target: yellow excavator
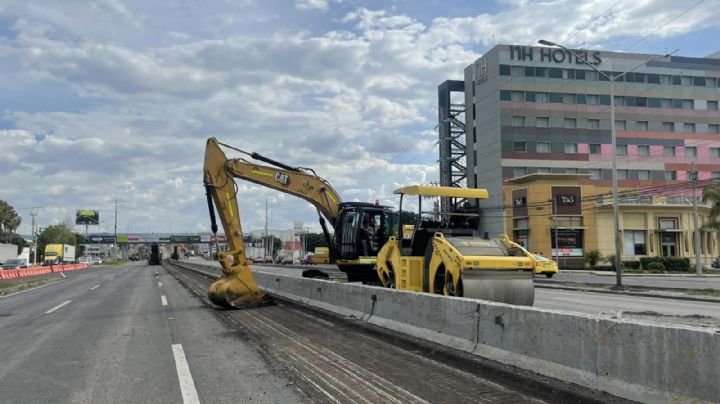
x=353, y=249
x=445, y=254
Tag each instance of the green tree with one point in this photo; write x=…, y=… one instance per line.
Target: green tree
x=9, y=219
x=314, y=240
x=712, y=194
x=592, y=257
x=56, y=234
x=408, y=217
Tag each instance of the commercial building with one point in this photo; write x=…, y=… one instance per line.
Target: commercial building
x=540, y=110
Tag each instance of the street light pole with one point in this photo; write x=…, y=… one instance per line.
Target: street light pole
x=613, y=139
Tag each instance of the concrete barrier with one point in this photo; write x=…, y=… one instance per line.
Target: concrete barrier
x=39, y=270
x=637, y=361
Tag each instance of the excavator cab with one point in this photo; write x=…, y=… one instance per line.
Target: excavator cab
x=362, y=229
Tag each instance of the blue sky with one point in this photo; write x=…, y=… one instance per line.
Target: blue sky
x=109, y=99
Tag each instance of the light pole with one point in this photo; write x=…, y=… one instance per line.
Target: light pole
x=616, y=209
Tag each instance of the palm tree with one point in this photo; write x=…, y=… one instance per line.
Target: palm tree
x=9, y=219
x=712, y=194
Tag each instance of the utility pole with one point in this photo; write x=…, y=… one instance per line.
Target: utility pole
x=696, y=220
x=268, y=250
x=115, y=242
x=557, y=247
x=34, y=212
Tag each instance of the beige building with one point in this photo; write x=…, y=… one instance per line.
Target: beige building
x=546, y=210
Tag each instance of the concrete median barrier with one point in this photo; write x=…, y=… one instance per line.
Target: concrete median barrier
x=637, y=361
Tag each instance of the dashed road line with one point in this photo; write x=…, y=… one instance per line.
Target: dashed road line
x=163, y=299
x=95, y=287
x=187, y=385
x=58, y=306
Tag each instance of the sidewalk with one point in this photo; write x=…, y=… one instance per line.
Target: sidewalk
x=706, y=273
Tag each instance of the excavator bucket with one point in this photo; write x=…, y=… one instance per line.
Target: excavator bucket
x=511, y=287
x=236, y=288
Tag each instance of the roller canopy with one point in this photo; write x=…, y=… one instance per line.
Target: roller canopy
x=452, y=192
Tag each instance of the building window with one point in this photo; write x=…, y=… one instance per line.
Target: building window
x=643, y=175
x=542, y=122
x=541, y=98
x=670, y=175
x=571, y=171
x=518, y=121
x=668, y=126
x=517, y=96
x=555, y=73
x=641, y=102
x=543, y=170
x=568, y=98
x=591, y=75
x=687, y=104
x=504, y=96
x=689, y=127
x=519, y=171
x=595, y=173
x=690, y=151
x=571, y=148
x=516, y=71
x=569, y=74
x=666, y=103
x=593, y=124
x=519, y=146
x=522, y=223
x=715, y=152
x=556, y=98
x=542, y=147
x=594, y=148
x=665, y=80
x=643, y=150
x=541, y=72
x=715, y=175
x=592, y=99
x=653, y=78
x=667, y=224
x=580, y=99
x=713, y=128
x=711, y=82
x=619, y=125
x=621, y=150
x=654, y=102
x=699, y=81
x=712, y=105
x=634, y=242
x=504, y=70
x=530, y=96
x=685, y=80
x=570, y=123
x=619, y=101
x=641, y=126
x=669, y=151
x=622, y=174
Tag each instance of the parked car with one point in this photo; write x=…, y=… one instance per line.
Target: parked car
x=14, y=264
x=716, y=263
x=96, y=261
x=84, y=260
x=286, y=261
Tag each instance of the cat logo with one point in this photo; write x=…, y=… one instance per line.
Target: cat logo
x=283, y=179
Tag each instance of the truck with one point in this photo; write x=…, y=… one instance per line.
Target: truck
x=57, y=254
x=155, y=255
x=8, y=252
x=321, y=256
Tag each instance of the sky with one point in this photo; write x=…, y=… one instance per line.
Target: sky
x=104, y=100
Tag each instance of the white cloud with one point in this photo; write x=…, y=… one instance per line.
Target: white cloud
x=311, y=4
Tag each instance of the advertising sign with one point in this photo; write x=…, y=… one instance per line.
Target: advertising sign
x=185, y=239
x=87, y=217
x=102, y=239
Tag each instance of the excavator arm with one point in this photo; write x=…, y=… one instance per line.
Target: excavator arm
x=237, y=287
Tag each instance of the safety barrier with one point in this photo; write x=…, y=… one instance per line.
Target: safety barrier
x=35, y=271
x=638, y=361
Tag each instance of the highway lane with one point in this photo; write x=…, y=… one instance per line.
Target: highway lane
x=107, y=335
x=658, y=281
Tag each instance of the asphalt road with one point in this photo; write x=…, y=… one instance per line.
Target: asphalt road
x=608, y=278
x=127, y=335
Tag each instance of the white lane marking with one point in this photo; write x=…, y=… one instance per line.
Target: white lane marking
x=58, y=306
x=163, y=299
x=187, y=386
x=159, y=284
x=95, y=287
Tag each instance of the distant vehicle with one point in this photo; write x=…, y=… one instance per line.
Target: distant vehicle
x=321, y=255
x=268, y=260
x=14, y=264
x=8, y=252
x=716, y=263
x=544, y=265
x=287, y=260
x=56, y=254
x=96, y=261
x=155, y=255
x=85, y=260
x=307, y=259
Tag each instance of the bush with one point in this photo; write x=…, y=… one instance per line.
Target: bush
x=631, y=264
x=673, y=264
x=656, y=266
x=592, y=258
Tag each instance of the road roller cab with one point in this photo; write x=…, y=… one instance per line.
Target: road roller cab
x=448, y=254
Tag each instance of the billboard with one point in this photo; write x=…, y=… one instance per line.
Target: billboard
x=87, y=217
